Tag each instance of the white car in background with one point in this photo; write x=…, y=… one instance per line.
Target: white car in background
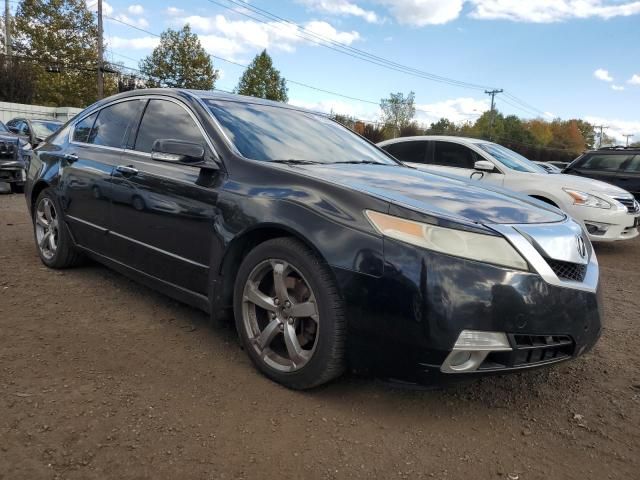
x=607, y=212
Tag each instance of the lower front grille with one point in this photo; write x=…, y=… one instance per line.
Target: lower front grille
x=630, y=203
x=568, y=270
x=531, y=350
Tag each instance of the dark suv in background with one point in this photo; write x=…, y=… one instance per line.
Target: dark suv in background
x=619, y=166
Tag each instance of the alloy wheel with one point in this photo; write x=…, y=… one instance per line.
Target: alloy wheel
x=47, y=228
x=280, y=315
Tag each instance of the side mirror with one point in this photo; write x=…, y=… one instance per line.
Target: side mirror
x=177, y=151
x=484, y=166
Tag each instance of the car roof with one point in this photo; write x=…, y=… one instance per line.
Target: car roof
x=448, y=138
x=55, y=120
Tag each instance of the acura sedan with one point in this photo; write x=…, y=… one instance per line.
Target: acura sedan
x=328, y=253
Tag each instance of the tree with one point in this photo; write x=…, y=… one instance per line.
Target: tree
x=262, y=80
x=398, y=111
x=59, y=37
x=444, y=126
x=17, y=82
x=179, y=61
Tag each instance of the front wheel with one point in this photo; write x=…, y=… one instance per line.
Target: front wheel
x=289, y=315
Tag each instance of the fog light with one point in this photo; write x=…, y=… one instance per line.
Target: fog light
x=471, y=348
x=596, y=228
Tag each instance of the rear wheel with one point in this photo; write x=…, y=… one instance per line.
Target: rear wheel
x=53, y=241
x=289, y=315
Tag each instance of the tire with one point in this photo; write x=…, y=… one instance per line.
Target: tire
x=309, y=321
x=59, y=252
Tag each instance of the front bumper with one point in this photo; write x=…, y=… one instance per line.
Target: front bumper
x=12, y=174
x=404, y=324
x=604, y=225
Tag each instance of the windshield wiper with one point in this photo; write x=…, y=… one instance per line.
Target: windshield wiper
x=295, y=161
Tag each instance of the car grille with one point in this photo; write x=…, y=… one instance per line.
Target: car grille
x=630, y=203
x=7, y=149
x=530, y=350
x=568, y=270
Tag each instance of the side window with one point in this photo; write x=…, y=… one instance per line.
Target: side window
x=410, y=151
x=604, y=161
x=450, y=154
x=112, y=126
x=82, y=130
x=634, y=165
x=166, y=120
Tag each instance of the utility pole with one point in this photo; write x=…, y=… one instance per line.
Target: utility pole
x=627, y=137
x=100, y=53
x=493, y=105
x=601, y=127
x=7, y=29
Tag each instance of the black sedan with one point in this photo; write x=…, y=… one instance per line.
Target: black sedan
x=328, y=253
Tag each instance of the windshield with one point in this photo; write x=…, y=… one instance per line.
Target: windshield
x=44, y=129
x=272, y=133
x=3, y=128
x=511, y=159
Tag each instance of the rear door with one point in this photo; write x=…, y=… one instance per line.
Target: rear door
x=162, y=221
x=93, y=151
x=632, y=174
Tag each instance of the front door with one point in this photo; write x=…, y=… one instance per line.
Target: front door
x=455, y=159
x=162, y=221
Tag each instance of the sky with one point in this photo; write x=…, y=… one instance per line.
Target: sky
x=552, y=58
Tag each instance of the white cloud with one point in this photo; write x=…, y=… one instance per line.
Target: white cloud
x=617, y=128
x=602, y=74
x=634, y=80
x=243, y=35
x=341, y=7
x=135, y=9
x=92, y=5
x=357, y=110
x=423, y=12
x=547, y=11
x=141, y=43
x=550, y=115
x=433, y=12
x=138, y=22
x=174, y=11
x=617, y=88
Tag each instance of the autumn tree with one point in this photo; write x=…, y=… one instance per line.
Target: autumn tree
x=60, y=38
x=261, y=79
x=398, y=111
x=179, y=61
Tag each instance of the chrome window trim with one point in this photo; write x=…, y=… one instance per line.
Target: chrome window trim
x=540, y=265
x=141, y=97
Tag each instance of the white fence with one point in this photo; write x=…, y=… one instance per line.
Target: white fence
x=12, y=110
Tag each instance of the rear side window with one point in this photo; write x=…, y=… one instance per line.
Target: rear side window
x=605, y=161
x=634, y=165
x=410, y=151
x=450, y=154
x=114, y=122
x=166, y=120
x=82, y=130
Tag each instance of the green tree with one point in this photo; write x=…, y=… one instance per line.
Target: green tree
x=60, y=38
x=398, y=111
x=444, y=126
x=586, y=129
x=262, y=80
x=179, y=61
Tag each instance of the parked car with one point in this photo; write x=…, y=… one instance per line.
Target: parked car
x=607, y=212
x=616, y=165
x=329, y=253
x=549, y=167
x=560, y=165
x=34, y=131
x=13, y=151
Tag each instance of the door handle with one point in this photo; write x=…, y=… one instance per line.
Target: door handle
x=71, y=157
x=127, y=170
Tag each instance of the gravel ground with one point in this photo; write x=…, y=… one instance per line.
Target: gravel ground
x=103, y=378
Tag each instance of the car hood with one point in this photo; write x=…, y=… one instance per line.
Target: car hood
x=584, y=184
x=436, y=194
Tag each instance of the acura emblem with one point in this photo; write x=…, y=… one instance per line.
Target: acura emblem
x=582, y=248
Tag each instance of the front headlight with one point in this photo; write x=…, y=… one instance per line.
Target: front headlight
x=474, y=246
x=586, y=199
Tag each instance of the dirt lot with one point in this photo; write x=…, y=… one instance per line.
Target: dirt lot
x=103, y=378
